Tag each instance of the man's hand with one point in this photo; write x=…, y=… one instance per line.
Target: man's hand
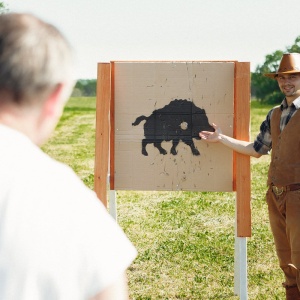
x=211, y=136
x=243, y=147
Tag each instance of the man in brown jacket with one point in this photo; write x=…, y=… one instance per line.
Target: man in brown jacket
x=280, y=132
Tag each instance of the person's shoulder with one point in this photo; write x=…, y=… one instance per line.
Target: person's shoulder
x=276, y=108
x=29, y=169
x=60, y=181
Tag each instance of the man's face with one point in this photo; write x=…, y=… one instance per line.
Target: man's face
x=289, y=85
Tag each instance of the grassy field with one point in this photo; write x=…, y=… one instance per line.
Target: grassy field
x=185, y=240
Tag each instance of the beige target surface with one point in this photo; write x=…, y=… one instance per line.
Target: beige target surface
x=140, y=89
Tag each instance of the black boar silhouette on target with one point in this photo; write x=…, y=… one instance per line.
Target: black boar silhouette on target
x=180, y=120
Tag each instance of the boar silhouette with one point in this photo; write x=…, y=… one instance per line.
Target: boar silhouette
x=180, y=120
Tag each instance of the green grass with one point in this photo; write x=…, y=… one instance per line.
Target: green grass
x=73, y=141
x=185, y=240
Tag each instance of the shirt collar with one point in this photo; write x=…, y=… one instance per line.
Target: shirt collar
x=296, y=103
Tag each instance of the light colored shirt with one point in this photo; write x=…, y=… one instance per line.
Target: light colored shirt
x=57, y=240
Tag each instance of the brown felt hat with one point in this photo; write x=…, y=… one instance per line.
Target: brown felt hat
x=290, y=63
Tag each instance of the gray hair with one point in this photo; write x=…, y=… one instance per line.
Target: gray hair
x=34, y=57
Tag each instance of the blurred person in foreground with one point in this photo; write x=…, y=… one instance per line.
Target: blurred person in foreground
x=280, y=132
x=57, y=240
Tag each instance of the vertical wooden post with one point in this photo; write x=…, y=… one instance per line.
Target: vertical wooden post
x=242, y=178
x=112, y=128
x=102, y=131
x=242, y=162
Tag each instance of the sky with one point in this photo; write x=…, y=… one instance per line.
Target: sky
x=168, y=30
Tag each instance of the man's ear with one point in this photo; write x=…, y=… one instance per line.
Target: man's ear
x=55, y=101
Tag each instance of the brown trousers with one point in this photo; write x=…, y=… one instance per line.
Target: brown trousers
x=284, y=215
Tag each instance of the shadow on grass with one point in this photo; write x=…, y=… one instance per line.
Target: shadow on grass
x=79, y=109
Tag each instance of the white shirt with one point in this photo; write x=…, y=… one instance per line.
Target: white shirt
x=57, y=240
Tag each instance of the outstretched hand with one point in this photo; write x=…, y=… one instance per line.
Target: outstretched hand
x=211, y=136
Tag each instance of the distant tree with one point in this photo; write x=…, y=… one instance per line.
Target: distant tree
x=265, y=89
x=2, y=7
x=85, y=88
x=296, y=46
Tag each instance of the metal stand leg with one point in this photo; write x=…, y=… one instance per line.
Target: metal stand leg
x=240, y=268
x=113, y=204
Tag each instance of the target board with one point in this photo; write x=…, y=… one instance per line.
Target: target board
x=148, y=118
x=158, y=110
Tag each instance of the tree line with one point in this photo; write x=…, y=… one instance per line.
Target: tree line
x=85, y=88
x=2, y=7
x=264, y=89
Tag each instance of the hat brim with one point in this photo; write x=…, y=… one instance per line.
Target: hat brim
x=274, y=75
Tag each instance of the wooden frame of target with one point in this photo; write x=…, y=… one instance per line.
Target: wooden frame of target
x=148, y=119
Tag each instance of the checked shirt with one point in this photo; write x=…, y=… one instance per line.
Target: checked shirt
x=263, y=141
